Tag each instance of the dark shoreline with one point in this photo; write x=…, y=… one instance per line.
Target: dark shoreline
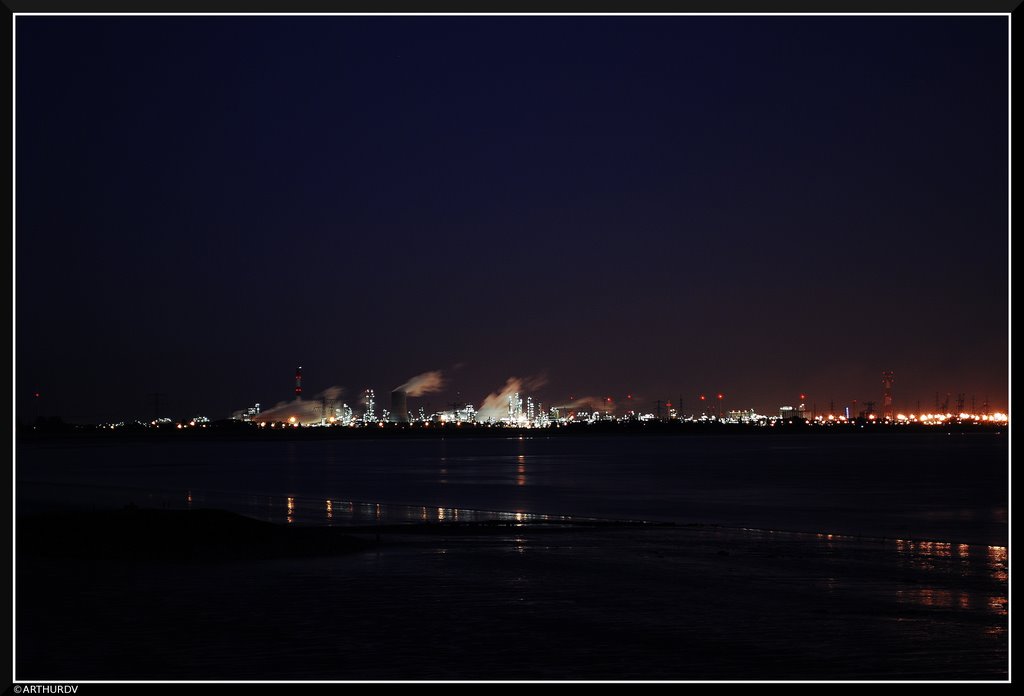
x=134, y=533
x=203, y=594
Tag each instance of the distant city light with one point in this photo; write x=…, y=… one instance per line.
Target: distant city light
x=524, y=411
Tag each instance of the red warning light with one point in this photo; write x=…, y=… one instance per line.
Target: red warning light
x=37, y=395
x=702, y=397
x=720, y=396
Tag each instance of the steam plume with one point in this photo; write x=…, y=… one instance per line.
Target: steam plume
x=423, y=384
x=304, y=411
x=495, y=406
x=591, y=403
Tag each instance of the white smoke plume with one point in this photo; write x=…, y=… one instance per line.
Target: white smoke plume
x=331, y=393
x=586, y=403
x=426, y=383
x=495, y=406
x=302, y=410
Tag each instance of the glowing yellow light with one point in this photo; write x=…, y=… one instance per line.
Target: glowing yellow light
x=292, y=419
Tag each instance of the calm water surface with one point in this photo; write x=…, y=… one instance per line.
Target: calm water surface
x=950, y=488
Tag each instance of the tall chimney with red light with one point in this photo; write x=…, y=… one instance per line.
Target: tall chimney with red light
x=298, y=382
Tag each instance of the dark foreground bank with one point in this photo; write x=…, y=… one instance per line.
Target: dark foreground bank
x=208, y=595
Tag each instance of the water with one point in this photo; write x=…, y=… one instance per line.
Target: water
x=533, y=603
x=895, y=565
x=951, y=488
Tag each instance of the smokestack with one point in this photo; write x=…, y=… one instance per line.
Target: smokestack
x=399, y=407
x=298, y=382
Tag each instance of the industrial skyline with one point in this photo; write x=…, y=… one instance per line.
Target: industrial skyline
x=437, y=388
x=521, y=402
x=522, y=407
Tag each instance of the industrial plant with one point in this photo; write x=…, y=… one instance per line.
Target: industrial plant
x=511, y=407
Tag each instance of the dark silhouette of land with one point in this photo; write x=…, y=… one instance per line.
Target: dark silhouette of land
x=140, y=534
x=203, y=594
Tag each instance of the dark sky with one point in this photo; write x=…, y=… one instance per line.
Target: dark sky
x=760, y=206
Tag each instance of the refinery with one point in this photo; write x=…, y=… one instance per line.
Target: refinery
x=512, y=406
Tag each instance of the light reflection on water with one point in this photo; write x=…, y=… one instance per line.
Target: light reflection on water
x=942, y=598
x=961, y=559
x=924, y=552
x=734, y=481
x=939, y=565
x=998, y=605
x=303, y=511
x=929, y=556
x=948, y=559
x=997, y=554
x=930, y=597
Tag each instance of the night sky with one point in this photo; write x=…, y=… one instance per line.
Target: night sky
x=758, y=206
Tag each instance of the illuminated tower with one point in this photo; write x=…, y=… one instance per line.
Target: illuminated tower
x=369, y=416
x=298, y=382
x=888, y=411
x=515, y=407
